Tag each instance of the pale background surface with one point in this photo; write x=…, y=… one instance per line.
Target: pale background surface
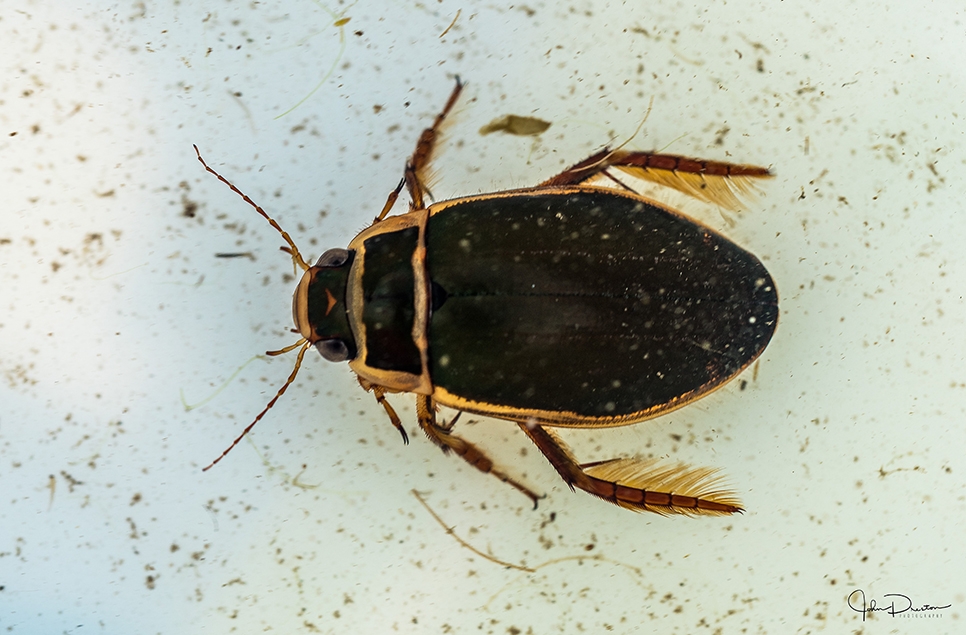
x=847, y=449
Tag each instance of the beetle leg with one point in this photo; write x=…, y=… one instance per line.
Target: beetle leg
x=380, y=396
x=636, y=484
x=606, y=158
x=446, y=440
x=715, y=182
x=417, y=168
x=448, y=425
x=390, y=201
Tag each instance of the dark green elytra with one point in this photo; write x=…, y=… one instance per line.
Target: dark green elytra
x=589, y=302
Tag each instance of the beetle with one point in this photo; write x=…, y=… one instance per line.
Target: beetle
x=576, y=303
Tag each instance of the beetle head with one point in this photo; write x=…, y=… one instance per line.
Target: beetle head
x=319, y=306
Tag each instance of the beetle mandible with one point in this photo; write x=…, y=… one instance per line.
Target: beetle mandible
x=576, y=303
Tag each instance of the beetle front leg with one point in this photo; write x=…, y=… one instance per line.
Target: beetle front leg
x=636, y=484
x=390, y=201
x=446, y=440
x=380, y=396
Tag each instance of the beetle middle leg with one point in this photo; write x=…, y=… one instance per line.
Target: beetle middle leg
x=446, y=440
x=417, y=169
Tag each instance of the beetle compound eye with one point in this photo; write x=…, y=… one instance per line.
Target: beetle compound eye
x=334, y=350
x=333, y=258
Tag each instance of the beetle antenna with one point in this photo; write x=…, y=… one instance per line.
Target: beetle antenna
x=293, y=250
x=291, y=347
x=281, y=391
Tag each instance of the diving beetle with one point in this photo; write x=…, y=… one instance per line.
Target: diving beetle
x=576, y=303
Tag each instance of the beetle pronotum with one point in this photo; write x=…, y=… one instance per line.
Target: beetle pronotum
x=575, y=303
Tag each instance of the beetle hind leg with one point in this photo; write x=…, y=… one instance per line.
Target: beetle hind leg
x=447, y=441
x=716, y=182
x=638, y=485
